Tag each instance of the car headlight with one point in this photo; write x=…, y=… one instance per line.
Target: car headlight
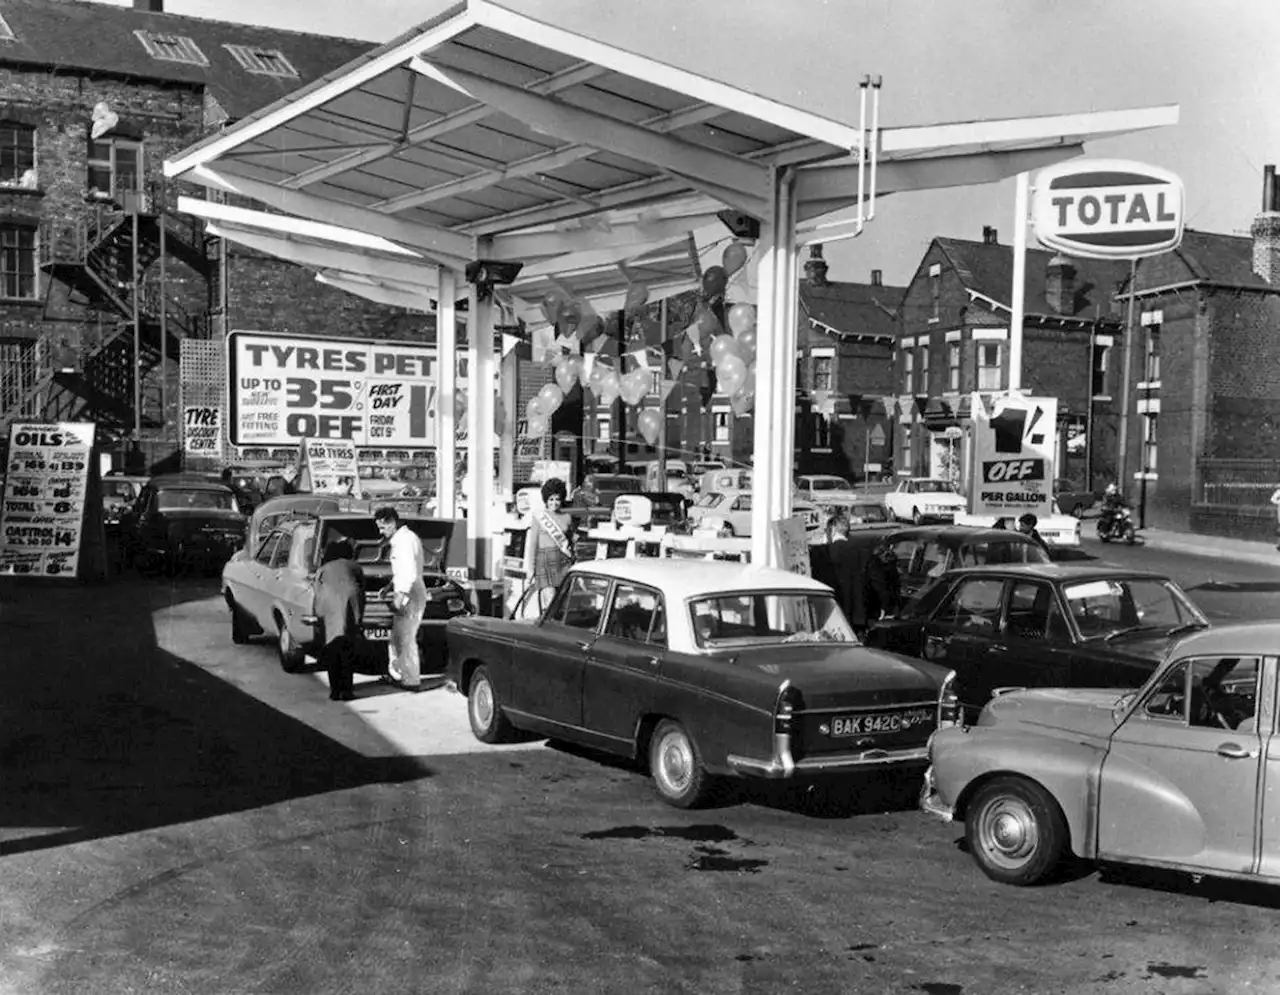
x=456, y=605
x=949, y=711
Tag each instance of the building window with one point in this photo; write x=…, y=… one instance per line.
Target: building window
x=1150, y=423
x=264, y=61
x=935, y=290
x=1151, y=366
x=604, y=428
x=821, y=432
x=1101, y=363
x=115, y=168
x=989, y=363
x=17, y=154
x=172, y=48
x=823, y=370
x=720, y=425
x=953, y=366
x=924, y=369
x=18, y=262
x=908, y=370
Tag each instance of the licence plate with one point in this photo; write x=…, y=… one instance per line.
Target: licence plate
x=866, y=725
x=378, y=635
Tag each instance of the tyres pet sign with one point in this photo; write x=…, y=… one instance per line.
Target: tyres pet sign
x=1108, y=209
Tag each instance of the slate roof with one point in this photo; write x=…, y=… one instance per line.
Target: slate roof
x=988, y=269
x=84, y=37
x=1226, y=260
x=852, y=308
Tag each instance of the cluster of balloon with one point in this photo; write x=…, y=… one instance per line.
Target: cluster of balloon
x=733, y=258
x=650, y=424
x=541, y=407
x=609, y=386
x=568, y=371
x=734, y=358
x=635, y=385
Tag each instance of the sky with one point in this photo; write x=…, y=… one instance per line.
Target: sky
x=941, y=61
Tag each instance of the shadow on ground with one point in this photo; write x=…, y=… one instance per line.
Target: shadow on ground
x=102, y=732
x=1239, y=587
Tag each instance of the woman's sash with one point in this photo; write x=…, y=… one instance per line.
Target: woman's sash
x=549, y=526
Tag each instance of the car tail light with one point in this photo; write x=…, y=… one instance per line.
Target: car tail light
x=789, y=702
x=949, y=711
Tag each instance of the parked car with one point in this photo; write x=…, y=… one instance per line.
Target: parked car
x=1056, y=529
x=270, y=589
x=119, y=492
x=1041, y=625
x=276, y=511
x=729, y=513
x=600, y=490
x=1074, y=500
x=923, y=499
x=705, y=669
x=1179, y=774
x=181, y=522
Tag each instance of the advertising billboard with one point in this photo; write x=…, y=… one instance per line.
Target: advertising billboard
x=45, y=488
x=1014, y=449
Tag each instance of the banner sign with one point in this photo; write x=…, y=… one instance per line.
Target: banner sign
x=1014, y=448
x=42, y=520
x=331, y=465
x=793, y=545
x=284, y=389
x=202, y=430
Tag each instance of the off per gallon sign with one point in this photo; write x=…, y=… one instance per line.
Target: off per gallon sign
x=284, y=389
x=1108, y=208
x=1014, y=451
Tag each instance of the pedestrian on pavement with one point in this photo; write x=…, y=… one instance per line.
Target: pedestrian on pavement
x=1027, y=526
x=883, y=586
x=339, y=603
x=552, y=549
x=408, y=598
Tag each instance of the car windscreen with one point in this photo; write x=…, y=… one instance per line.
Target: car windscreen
x=125, y=489
x=768, y=616
x=934, y=487
x=829, y=484
x=1001, y=550
x=370, y=547
x=181, y=499
x=860, y=514
x=1103, y=608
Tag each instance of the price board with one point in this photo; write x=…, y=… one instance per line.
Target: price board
x=331, y=467
x=284, y=389
x=46, y=481
x=201, y=430
x=1014, y=450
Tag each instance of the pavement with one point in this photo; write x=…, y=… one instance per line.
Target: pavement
x=1218, y=547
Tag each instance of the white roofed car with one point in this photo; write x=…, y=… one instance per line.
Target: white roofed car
x=1055, y=529
x=924, y=499
x=818, y=486
x=729, y=513
x=705, y=669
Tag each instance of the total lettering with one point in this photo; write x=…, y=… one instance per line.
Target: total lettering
x=1121, y=207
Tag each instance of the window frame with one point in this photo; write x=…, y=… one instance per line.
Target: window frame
x=19, y=153
x=658, y=614
x=909, y=369
x=20, y=253
x=112, y=166
x=258, y=60
x=983, y=383
x=181, y=49
x=1151, y=357
x=1100, y=368
x=1150, y=441
x=953, y=366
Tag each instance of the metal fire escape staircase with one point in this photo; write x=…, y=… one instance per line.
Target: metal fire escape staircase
x=94, y=263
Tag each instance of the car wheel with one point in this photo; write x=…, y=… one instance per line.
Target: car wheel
x=676, y=767
x=1130, y=533
x=239, y=626
x=489, y=723
x=1015, y=831
x=1103, y=534
x=292, y=656
x=916, y=517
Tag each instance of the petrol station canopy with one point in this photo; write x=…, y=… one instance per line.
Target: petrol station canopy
x=488, y=134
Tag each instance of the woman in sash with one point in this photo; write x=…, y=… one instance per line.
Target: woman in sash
x=552, y=548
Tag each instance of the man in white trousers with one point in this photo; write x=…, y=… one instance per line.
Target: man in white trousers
x=408, y=598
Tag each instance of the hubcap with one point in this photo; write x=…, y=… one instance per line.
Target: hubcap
x=284, y=640
x=675, y=762
x=482, y=704
x=1010, y=835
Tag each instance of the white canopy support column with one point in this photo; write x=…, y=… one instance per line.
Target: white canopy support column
x=482, y=519
x=447, y=355
x=775, y=369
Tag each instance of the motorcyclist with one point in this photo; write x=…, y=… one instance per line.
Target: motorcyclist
x=1113, y=503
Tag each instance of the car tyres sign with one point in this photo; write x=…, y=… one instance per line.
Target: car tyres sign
x=1108, y=208
x=47, y=480
x=1014, y=448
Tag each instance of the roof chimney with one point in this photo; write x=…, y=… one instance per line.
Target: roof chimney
x=1266, y=230
x=815, y=267
x=989, y=235
x=152, y=6
x=877, y=278
x=1060, y=285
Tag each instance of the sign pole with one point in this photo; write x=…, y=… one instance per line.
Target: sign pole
x=1122, y=440
x=1018, y=296
x=662, y=403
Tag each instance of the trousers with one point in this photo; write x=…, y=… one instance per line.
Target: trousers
x=405, y=663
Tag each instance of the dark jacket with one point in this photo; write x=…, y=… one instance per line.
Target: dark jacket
x=340, y=598
x=883, y=589
x=849, y=562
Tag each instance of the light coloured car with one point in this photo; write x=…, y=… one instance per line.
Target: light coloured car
x=924, y=499
x=1056, y=529
x=816, y=486
x=728, y=512
x=1181, y=774
x=704, y=669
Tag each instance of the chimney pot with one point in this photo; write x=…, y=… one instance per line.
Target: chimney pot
x=815, y=267
x=877, y=278
x=990, y=235
x=1060, y=285
x=1268, y=188
x=151, y=6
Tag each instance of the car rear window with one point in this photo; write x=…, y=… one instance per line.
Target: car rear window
x=768, y=616
x=176, y=498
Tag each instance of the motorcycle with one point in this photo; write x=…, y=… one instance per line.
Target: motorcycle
x=1117, y=525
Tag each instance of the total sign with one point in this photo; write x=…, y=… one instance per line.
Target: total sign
x=1014, y=449
x=283, y=389
x=1108, y=209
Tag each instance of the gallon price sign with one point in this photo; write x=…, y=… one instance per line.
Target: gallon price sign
x=284, y=389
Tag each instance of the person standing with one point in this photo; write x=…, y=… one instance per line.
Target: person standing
x=552, y=550
x=408, y=598
x=1027, y=526
x=339, y=603
x=883, y=588
x=848, y=566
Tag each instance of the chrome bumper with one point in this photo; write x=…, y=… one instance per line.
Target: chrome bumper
x=931, y=802
x=783, y=765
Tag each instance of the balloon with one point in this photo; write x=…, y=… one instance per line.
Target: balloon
x=741, y=318
x=551, y=302
x=566, y=373
x=596, y=376
x=610, y=386
x=537, y=427
x=551, y=397
x=734, y=257
x=732, y=374
x=747, y=343
x=533, y=409
x=635, y=385
x=714, y=280
x=708, y=323
x=722, y=346
x=650, y=424
x=569, y=317
x=637, y=295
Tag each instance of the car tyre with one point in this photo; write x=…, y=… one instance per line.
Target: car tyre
x=292, y=656
x=1015, y=831
x=489, y=723
x=676, y=767
x=1104, y=535
x=239, y=625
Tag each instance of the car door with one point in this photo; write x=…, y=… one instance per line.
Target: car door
x=961, y=633
x=1176, y=785
x=294, y=581
x=624, y=665
x=252, y=592
x=549, y=666
x=1033, y=647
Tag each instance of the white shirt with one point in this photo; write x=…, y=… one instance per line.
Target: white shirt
x=407, y=562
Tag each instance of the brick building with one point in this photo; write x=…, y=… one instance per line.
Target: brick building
x=93, y=98
x=954, y=341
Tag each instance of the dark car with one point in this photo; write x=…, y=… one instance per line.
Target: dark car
x=1074, y=500
x=182, y=522
x=119, y=493
x=600, y=490
x=1041, y=625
